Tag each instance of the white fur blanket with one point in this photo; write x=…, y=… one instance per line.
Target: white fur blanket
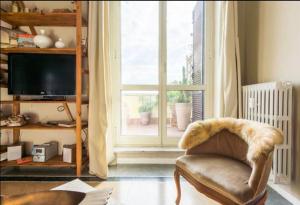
x=261, y=138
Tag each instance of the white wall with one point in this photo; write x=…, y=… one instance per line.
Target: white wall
x=272, y=49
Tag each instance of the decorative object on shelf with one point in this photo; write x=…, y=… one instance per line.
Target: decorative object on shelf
x=3, y=152
x=17, y=6
x=61, y=10
x=73, y=5
x=59, y=43
x=3, y=121
x=65, y=123
x=44, y=152
x=42, y=40
x=15, y=151
x=14, y=7
x=26, y=10
x=69, y=153
x=24, y=160
x=16, y=120
x=25, y=40
x=84, y=45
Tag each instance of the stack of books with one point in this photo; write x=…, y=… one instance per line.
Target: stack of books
x=25, y=40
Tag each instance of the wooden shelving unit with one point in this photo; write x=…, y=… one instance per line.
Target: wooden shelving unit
x=50, y=19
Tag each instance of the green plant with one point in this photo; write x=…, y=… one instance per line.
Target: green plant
x=172, y=96
x=180, y=96
x=184, y=97
x=146, y=107
x=147, y=104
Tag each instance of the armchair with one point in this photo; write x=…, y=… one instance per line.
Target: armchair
x=228, y=160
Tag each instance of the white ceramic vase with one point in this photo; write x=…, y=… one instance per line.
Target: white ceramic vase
x=183, y=114
x=59, y=43
x=42, y=41
x=145, y=118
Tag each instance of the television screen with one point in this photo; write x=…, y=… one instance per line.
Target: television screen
x=41, y=74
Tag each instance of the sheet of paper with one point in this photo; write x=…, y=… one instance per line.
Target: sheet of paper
x=93, y=195
x=75, y=185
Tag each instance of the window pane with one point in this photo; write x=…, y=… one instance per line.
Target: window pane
x=183, y=107
x=184, y=42
x=140, y=113
x=139, y=42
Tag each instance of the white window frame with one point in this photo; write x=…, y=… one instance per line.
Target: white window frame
x=162, y=88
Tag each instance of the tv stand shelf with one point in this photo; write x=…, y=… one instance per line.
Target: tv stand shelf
x=84, y=102
x=71, y=51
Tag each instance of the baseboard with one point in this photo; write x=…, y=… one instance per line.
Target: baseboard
x=141, y=160
x=285, y=193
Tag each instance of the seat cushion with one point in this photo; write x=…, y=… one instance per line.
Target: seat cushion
x=225, y=175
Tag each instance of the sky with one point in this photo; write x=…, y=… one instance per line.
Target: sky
x=140, y=40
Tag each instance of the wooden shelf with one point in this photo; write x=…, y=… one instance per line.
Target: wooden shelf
x=39, y=50
x=38, y=19
x=56, y=161
x=2, y=61
x=84, y=102
x=40, y=127
x=3, y=70
x=2, y=85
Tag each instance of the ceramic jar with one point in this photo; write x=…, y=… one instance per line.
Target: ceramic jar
x=42, y=41
x=59, y=43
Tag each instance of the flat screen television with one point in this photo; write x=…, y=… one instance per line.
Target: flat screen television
x=41, y=74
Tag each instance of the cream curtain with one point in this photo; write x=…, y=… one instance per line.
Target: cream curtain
x=227, y=80
x=100, y=143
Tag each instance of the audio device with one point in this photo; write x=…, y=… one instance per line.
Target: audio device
x=44, y=152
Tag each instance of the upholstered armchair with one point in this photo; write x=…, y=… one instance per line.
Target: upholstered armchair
x=228, y=160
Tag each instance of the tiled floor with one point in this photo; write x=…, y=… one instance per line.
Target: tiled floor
x=136, y=182
x=124, y=192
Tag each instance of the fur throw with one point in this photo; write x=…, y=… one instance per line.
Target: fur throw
x=261, y=138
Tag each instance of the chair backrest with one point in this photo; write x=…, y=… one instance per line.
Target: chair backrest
x=230, y=145
x=224, y=143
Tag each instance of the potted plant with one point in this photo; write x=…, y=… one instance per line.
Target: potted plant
x=145, y=111
x=183, y=107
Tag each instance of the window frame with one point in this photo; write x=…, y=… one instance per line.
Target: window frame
x=115, y=53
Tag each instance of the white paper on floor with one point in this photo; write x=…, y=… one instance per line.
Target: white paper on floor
x=93, y=196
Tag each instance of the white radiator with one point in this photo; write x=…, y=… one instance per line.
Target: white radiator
x=271, y=103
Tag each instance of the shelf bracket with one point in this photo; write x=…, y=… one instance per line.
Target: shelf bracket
x=67, y=109
x=32, y=30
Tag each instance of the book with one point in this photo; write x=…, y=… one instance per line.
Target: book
x=70, y=123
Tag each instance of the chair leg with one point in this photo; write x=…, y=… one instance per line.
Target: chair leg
x=263, y=200
x=177, y=182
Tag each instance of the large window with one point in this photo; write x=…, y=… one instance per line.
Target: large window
x=158, y=58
